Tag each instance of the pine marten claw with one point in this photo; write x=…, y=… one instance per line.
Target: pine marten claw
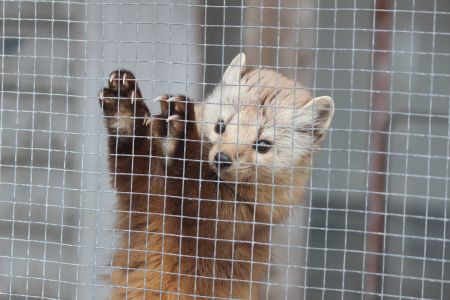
x=159, y=98
x=124, y=79
x=112, y=77
x=147, y=121
x=173, y=118
x=134, y=97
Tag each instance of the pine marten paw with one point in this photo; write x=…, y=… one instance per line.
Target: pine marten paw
x=174, y=123
x=122, y=103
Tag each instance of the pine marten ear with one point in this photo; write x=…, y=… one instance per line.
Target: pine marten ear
x=233, y=73
x=314, y=117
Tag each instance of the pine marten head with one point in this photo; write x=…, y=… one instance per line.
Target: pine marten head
x=260, y=124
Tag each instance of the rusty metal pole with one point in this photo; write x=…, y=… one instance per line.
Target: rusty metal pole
x=380, y=120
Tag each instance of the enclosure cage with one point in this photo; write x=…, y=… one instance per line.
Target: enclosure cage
x=374, y=220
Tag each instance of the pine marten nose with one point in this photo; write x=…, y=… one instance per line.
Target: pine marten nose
x=222, y=160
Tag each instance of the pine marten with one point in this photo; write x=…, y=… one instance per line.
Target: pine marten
x=200, y=184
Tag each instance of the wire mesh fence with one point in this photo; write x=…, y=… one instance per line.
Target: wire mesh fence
x=373, y=223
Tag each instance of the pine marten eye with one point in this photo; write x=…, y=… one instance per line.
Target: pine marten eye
x=220, y=126
x=262, y=146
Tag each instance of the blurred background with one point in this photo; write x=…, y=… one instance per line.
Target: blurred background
x=56, y=204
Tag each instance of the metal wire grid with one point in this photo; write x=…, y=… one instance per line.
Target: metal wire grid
x=56, y=212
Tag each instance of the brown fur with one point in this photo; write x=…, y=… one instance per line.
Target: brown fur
x=187, y=234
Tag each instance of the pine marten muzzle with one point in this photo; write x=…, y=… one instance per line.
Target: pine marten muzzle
x=199, y=185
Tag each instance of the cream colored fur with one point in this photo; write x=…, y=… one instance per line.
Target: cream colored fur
x=262, y=104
